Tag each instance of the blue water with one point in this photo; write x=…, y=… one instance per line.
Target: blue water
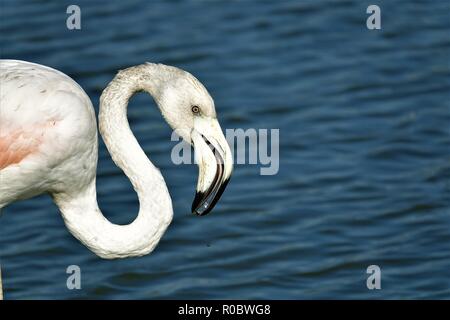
x=364, y=119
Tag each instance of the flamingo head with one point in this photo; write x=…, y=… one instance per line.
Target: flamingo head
x=189, y=109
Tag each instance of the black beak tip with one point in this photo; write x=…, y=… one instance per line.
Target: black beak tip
x=201, y=213
x=201, y=208
x=199, y=196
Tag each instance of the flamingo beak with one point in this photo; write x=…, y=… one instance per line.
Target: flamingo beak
x=213, y=156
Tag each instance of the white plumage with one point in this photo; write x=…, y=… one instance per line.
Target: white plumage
x=48, y=144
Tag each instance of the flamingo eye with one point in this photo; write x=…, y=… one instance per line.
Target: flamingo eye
x=195, y=109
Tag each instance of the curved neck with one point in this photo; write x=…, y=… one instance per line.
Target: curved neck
x=82, y=214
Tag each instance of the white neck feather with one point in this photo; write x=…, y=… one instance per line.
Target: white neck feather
x=82, y=214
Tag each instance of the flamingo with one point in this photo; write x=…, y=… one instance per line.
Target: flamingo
x=48, y=144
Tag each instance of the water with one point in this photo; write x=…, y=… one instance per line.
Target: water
x=364, y=150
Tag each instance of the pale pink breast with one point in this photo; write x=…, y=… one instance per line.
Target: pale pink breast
x=19, y=144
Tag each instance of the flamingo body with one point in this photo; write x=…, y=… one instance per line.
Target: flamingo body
x=48, y=132
x=49, y=144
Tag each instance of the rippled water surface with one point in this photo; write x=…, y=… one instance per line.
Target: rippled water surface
x=364, y=119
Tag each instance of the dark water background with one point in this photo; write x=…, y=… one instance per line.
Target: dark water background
x=364, y=119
